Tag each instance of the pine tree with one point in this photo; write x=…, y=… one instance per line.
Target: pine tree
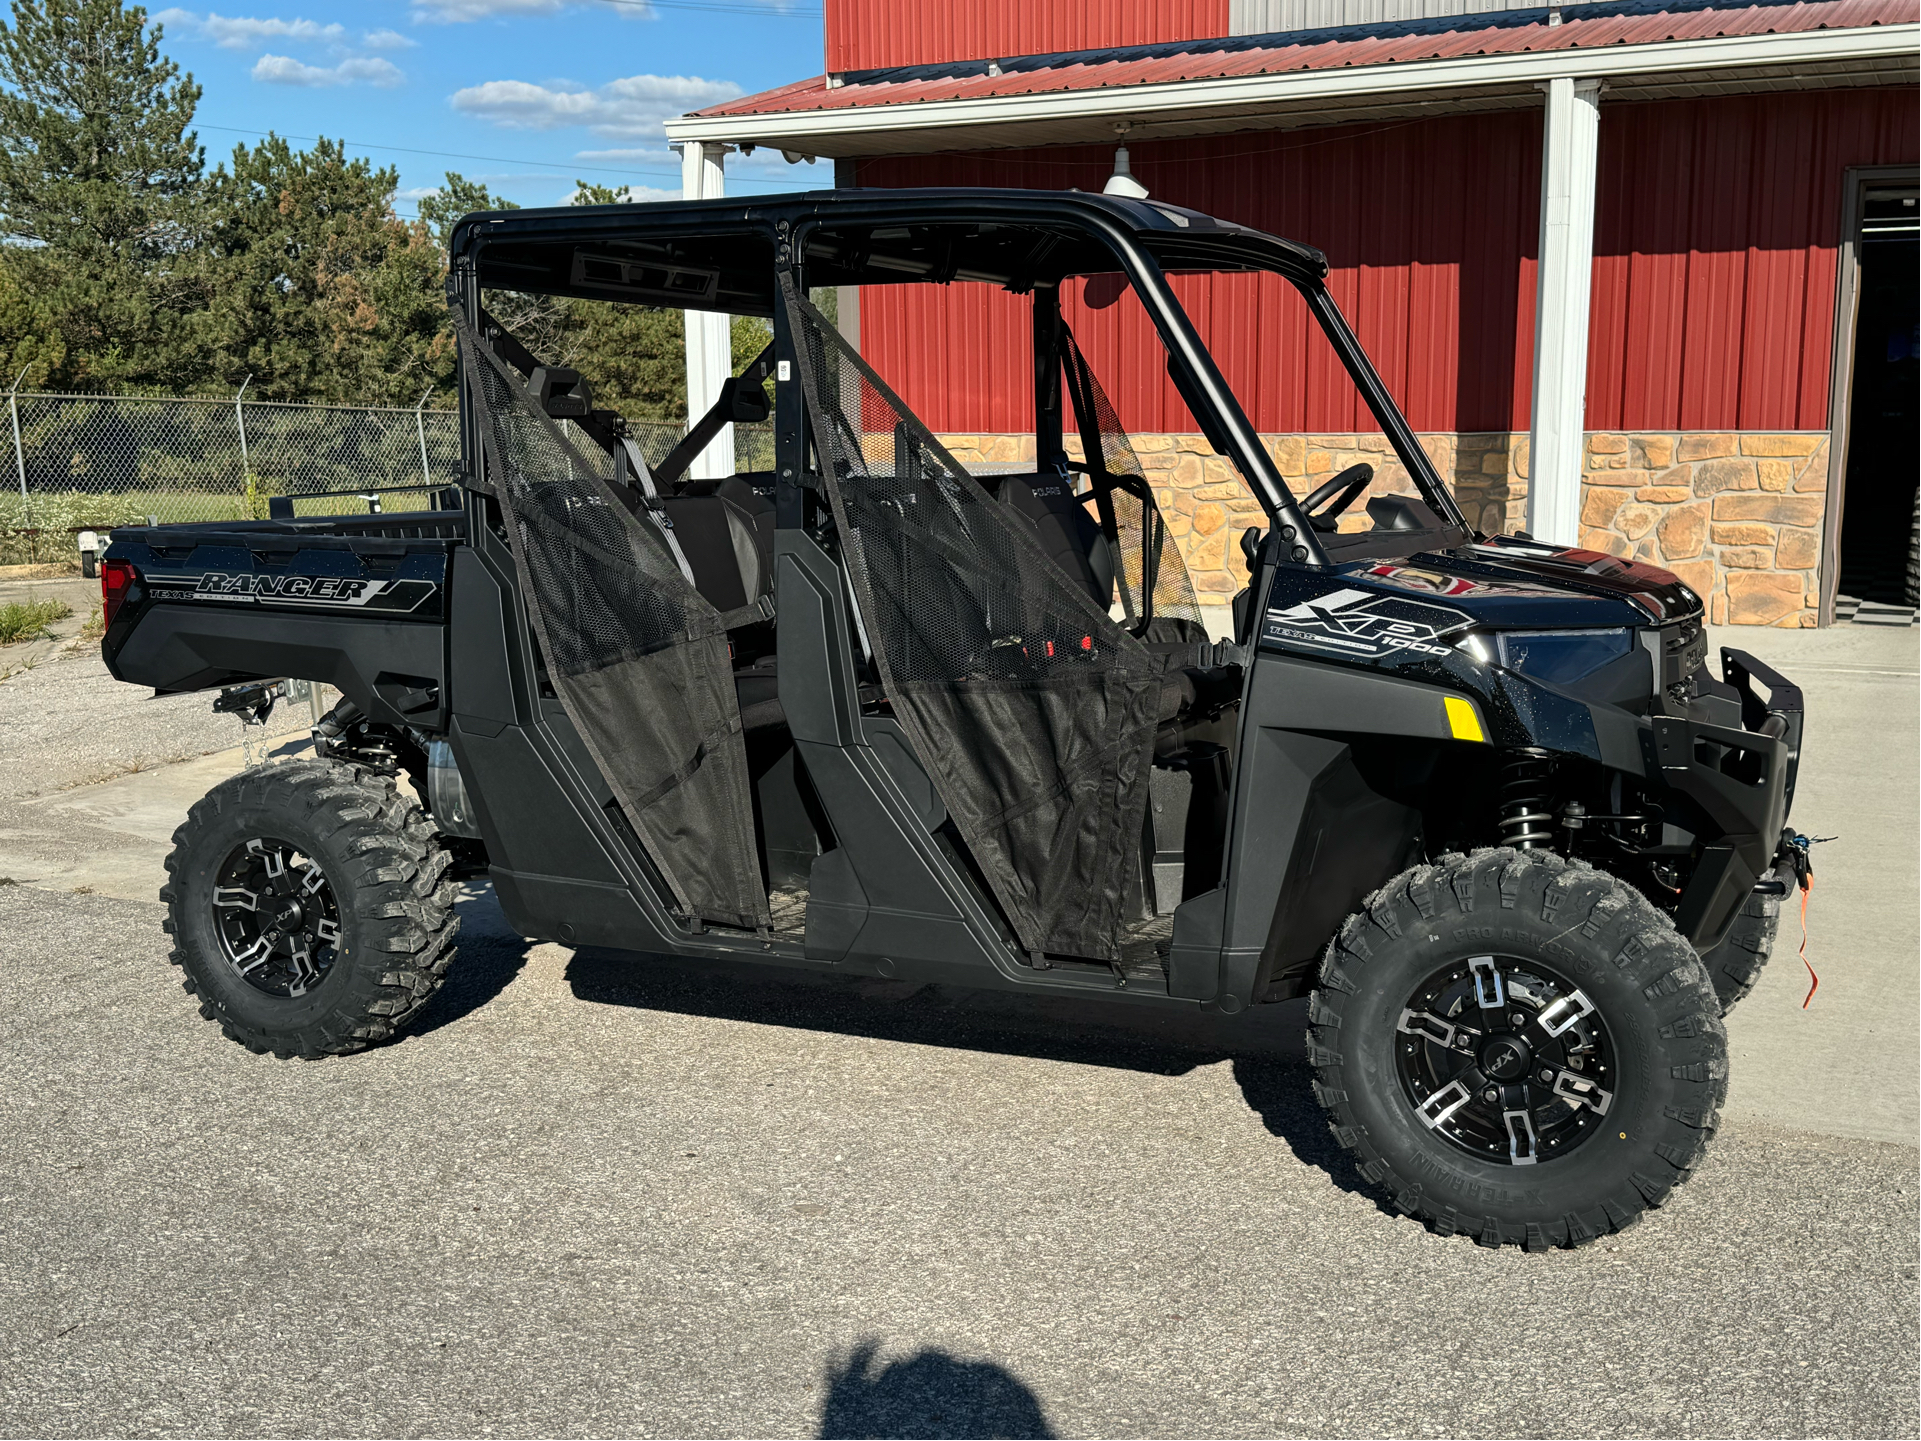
x=318, y=290
x=457, y=198
x=99, y=174
x=95, y=150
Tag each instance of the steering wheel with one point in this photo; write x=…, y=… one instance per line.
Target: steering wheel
x=1343, y=488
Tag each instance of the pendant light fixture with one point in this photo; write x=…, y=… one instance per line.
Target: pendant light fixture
x=1122, y=181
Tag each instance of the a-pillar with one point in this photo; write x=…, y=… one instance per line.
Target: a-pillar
x=710, y=351
x=1569, y=140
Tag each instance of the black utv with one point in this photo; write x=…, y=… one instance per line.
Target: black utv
x=1482, y=800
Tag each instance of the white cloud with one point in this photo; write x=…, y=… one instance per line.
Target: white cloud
x=629, y=108
x=762, y=164
x=386, y=40
x=241, y=32
x=455, y=12
x=653, y=157
x=355, y=70
x=638, y=194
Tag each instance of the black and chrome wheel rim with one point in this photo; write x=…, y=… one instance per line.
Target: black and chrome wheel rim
x=276, y=916
x=1505, y=1059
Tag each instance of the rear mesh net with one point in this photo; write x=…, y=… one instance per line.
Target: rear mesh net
x=636, y=654
x=1034, y=710
x=1154, y=590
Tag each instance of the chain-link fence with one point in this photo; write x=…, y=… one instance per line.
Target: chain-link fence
x=91, y=462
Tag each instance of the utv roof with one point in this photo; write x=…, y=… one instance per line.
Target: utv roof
x=722, y=254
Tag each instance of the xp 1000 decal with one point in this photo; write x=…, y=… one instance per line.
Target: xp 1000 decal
x=1361, y=625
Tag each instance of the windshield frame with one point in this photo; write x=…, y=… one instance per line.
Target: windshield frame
x=1146, y=238
x=1243, y=252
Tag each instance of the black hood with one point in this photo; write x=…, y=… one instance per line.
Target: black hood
x=1509, y=583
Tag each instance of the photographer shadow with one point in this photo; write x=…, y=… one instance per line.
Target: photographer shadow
x=927, y=1394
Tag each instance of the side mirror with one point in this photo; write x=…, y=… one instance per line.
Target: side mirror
x=1251, y=539
x=1197, y=403
x=564, y=394
x=748, y=401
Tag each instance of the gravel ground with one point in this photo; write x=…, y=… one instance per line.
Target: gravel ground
x=598, y=1193
x=67, y=723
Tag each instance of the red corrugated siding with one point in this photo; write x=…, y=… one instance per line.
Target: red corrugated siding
x=1430, y=228
x=1716, y=232
x=1717, y=223
x=871, y=34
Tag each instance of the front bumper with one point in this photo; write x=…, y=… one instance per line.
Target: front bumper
x=1743, y=779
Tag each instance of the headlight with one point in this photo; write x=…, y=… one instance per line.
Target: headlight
x=1561, y=656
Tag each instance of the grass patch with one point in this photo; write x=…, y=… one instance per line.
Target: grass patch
x=96, y=625
x=28, y=619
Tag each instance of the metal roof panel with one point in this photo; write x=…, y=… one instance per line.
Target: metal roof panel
x=1636, y=22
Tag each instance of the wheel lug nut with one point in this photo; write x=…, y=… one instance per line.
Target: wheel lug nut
x=1546, y=1074
x=1490, y=1095
x=1517, y=1020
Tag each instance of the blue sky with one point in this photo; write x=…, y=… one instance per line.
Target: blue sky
x=543, y=91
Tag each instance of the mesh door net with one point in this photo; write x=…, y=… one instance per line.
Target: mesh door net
x=1156, y=594
x=636, y=654
x=1035, y=711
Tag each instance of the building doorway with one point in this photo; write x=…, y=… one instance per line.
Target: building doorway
x=1880, y=525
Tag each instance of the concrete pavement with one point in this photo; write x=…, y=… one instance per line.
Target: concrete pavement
x=1847, y=1065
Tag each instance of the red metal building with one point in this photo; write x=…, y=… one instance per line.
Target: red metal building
x=1609, y=257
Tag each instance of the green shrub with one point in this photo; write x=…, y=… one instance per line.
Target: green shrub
x=58, y=515
x=28, y=619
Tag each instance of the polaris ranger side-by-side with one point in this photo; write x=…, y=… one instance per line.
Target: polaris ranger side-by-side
x=1482, y=800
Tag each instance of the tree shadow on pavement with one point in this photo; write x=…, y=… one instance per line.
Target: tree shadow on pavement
x=1264, y=1044
x=928, y=1394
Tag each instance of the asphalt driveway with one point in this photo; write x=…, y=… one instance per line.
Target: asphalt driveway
x=602, y=1193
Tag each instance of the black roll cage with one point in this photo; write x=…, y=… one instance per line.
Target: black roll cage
x=725, y=255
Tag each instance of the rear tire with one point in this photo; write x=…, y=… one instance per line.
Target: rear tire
x=1639, y=1059
x=309, y=908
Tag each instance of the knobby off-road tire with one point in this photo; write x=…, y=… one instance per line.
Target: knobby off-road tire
x=1628, y=992
x=1914, y=555
x=344, y=870
x=1735, y=964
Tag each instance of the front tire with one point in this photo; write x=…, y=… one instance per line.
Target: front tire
x=1735, y=964
x=309, y=908
x=1518, y=1048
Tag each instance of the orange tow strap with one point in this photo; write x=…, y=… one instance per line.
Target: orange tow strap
x=1814, y=981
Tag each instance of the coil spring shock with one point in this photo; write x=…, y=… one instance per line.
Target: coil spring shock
x=1526, y=821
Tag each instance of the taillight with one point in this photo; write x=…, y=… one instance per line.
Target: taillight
x=116, y=579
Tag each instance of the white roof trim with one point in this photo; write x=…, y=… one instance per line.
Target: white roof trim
x=1168, y=99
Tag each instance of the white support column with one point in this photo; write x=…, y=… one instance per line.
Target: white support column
x=710, y=353
x=847, y=318
x=1570, y=136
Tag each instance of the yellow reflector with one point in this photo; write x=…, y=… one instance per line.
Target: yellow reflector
x=1462, y=720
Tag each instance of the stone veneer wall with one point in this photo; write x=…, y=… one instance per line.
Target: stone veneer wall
x=1737, y=516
